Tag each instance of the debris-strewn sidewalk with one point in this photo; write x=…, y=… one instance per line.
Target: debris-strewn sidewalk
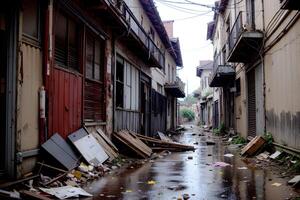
x=66, y=165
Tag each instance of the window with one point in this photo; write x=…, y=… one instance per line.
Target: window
x=159, y=88
x=94, y=57
x=127, y=85
x=94, y=99
x=31, y=19
x=66, y=42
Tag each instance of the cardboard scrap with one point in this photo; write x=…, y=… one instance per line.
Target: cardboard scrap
x=220, y=164
x=275, y=155
x=66, y=192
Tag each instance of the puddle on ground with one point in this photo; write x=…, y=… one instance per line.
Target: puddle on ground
x=175, y=175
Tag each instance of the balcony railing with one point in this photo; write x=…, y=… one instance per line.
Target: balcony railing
x=244, y=42
x=176, y=88
x=236, y=31
x=139, y=31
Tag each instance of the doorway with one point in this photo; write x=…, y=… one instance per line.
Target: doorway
x=145, y=105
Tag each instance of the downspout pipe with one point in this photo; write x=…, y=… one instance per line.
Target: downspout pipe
x=263, y=66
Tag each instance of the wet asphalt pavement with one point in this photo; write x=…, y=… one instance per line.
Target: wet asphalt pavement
x=192, y=174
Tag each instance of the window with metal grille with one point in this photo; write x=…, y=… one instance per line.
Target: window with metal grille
x=66, y=42
x=94, y=98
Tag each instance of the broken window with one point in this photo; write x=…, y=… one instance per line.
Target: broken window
x=127, y=85
x=94, y=101
x=66, y=42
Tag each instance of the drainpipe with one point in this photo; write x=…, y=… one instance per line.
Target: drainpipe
x=263, y=68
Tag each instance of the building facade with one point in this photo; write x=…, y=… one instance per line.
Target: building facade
x=67, y=64
x=255, y=48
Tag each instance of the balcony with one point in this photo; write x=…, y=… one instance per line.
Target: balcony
x=176, y=89
x=290, y=4
x=222, y=74
x=244, y=43
x=138, y=34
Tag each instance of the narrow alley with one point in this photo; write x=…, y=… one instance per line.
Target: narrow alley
x=192, y=175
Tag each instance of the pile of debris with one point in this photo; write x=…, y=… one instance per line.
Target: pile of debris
x=66, y=165
x=264, y=155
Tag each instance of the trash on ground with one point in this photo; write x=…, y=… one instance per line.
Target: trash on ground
x=295, y=180
x=88, y=146
x=163, y=137
x=220, y=164
x=190, y=157
x=66, y=192
x=275, y=155
x=210, y=142
x=151, y=182
x=253, y=146
x=276, y=184
x=263, y=156
x=9, y=195
x=242, y=168
x=229, y=155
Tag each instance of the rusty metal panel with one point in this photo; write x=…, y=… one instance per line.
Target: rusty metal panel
x=66, y=99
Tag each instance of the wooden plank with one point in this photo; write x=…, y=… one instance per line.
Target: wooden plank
x=134, y=143
x=106, y=139
x=132, y=147
x=253, y=146
x=110, y=151
x=163, y=137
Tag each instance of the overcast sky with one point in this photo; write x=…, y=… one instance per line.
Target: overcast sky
x=190, y=25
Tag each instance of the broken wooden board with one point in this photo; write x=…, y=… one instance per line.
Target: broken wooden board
x=163, y=137
x=107, y=148
x=165, y=145
x=107, y=140
x=28, y=195
x=253, y=146
x=88, y=146
x=57, y=147
x=134, y=143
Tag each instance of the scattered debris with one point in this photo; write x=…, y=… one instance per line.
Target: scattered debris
x=185, y=196
x=9, y=195
x=220, y=164
x=163, y=137
x=275, y=155
x=210, y=142
x=294, y=181
x=177, y=187
x=190, y=157
x=242, y=168
x=88, y=146
x=66, y=192
x=263, y=156
x=131, y=140
x=229, y=155
x=157, y=144
x=276, y=184
x=151, y=182
x=253, y=146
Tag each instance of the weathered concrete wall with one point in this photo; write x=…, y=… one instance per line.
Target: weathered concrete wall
x=241, y=103
x=282, y=88
x=29, y=82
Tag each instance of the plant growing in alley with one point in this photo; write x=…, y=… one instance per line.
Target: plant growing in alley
x=188, y=114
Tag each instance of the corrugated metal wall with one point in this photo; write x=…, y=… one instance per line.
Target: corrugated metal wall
x=66, y=100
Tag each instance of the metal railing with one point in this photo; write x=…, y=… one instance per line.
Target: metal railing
x=236, y=31
x=139, y=31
